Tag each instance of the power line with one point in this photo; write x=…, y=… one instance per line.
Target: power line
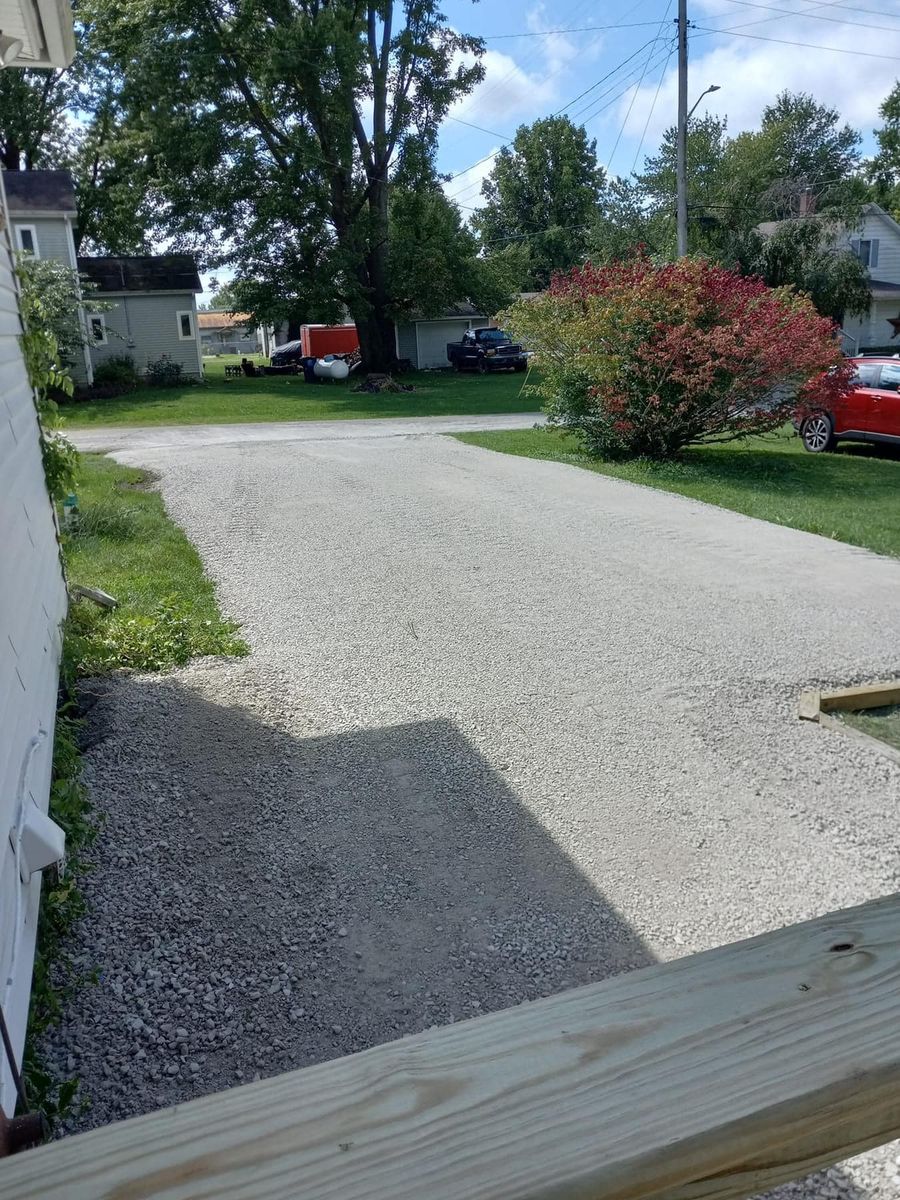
x=758, y=37
x=637, y=88
x=815, y=16
x=662, y=75
x=481, y=129
x=497, y=37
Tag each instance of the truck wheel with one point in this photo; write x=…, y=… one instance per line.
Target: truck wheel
x=482, y=366
x=455, y=364
x=520, y=367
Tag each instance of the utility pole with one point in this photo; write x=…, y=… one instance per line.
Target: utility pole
x=681, y=140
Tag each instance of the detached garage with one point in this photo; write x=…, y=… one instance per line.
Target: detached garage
x=424, y=343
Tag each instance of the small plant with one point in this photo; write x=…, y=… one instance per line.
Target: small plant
x=164, y=372
x=118, y=371
x=641, y=359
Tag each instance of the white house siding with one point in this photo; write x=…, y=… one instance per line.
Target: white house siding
x=146, y=327
x=32, y=605
x=406, y=342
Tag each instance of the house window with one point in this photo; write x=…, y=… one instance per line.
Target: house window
x=26, y=239
x=866, y=250
x=97, y=329
x=185, y=325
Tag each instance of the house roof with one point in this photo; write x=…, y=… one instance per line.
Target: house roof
x=224, y=320
x=143, y=273
x=39, y=191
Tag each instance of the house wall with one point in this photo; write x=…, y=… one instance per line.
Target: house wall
x=32, y=604
x=876, y=225
x=52, y=236
x=146, y=327
x=406, y=342
x=873, y=330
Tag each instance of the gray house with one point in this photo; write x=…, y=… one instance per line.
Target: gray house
x=154, y=296
x=155, y=313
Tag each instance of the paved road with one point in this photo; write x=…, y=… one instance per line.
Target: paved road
x=116, y=437
x=507, y=726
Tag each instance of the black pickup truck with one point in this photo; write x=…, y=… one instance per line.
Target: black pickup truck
x=486, y=350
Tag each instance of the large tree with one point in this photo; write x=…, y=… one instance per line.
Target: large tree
x=544, y=191
x=277, y=129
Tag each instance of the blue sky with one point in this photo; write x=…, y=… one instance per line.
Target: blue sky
x=769, y=45
x=618, y=57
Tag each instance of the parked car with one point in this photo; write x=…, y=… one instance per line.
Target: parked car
x=287, y=355
x=486, y=350
x=869, y=412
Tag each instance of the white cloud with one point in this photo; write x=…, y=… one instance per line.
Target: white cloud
x=751, y=74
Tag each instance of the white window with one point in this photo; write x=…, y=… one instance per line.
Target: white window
x=185, y=325
x=26, y=240
x=866, y=250
x=97, y=329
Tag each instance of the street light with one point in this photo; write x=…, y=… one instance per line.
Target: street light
x=713, y=87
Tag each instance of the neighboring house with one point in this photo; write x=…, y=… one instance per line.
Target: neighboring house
x=223, y=332
x=424, y=342
x=154, y=296
x=32, y=586
x=877, y=244
x=154, y=313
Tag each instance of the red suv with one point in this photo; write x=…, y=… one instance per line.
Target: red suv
x=869, y=412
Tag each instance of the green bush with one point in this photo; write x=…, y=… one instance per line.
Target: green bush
x=163, y=372
x=118, y=370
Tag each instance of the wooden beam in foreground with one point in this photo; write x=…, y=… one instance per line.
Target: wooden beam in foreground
x=715, y=1076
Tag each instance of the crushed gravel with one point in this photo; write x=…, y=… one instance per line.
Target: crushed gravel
x=507, y=727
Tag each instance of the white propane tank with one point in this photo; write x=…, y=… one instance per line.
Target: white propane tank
x=331, y=368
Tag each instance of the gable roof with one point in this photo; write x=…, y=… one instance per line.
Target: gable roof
x=767, y=228
x=40, y=191
x=143, y=273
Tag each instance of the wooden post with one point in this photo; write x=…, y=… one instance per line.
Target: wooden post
x=714, y=1076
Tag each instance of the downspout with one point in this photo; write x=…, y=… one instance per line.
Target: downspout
x=82, y=321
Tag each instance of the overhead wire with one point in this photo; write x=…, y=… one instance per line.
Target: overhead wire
x=662, y=75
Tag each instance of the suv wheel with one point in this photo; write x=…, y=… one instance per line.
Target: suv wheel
x=817, y=434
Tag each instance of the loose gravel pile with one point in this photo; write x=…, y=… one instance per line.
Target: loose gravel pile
x=507, y=727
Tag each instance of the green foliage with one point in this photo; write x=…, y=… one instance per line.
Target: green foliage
x=62, y=904
x=806, y=254
x=641, y=359
x=40, y=350
x=117, y=369
x=289, y=127
x=884, y=168
x=164, y=372
x=34, y=130
x=543, y=191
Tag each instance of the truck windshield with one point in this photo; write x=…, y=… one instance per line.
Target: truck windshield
x=495, y=336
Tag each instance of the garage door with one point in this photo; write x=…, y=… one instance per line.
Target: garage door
x=433, y=338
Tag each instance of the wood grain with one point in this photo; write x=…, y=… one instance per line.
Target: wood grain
x=870, y=695
x=715, y=1076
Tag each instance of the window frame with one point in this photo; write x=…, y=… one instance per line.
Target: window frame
x=25, y=228
x=91, y=318
x=189, y=313
x=870, y=259
x=889, y=367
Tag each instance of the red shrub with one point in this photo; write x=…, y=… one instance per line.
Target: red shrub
x=643, y=359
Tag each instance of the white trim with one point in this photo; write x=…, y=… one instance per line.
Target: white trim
x=42, y=214
x=197, y=336
x=20, y=227
x=188, y=293
x=396, y=342
x=186, y=337
x=92, y=317
x=418, y=356
x=59, y=32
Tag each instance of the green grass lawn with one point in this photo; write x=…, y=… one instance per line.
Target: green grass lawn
x=288, y=398
x=881, y=723
x=124, y=543
x=851, y=496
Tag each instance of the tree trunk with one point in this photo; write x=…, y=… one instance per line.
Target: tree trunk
x=293, y=329
x=11, y=156
x=376, y=342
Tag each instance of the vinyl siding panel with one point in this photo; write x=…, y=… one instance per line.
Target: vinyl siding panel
x=32, y=604
x=876, y=227
x=53, y=240
x=146, y=327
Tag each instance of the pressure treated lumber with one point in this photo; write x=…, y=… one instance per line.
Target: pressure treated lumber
x=870, y=695
x=714, y=1076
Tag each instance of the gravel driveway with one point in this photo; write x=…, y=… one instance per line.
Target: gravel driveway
x=508, y=726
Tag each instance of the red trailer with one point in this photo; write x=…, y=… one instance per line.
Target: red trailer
x=318, y=340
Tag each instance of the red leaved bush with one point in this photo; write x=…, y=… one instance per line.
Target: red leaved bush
x=643, y=359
